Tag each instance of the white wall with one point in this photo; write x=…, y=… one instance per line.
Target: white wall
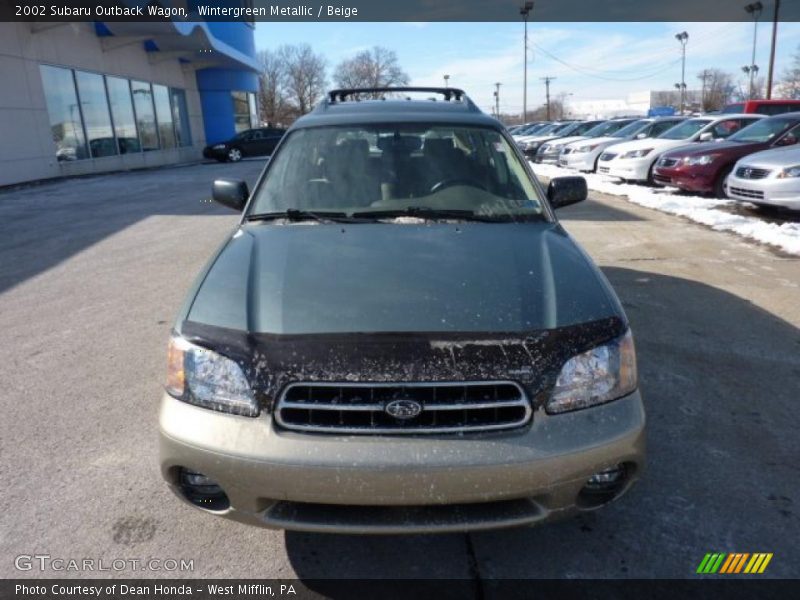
x=27, y=151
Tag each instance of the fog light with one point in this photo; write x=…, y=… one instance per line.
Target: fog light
x=203, y=491
x=607, y=477
x=604, y=486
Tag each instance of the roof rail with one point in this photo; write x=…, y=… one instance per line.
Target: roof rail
x=449, y=93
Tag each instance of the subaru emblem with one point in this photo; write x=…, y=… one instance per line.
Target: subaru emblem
x=403, y=408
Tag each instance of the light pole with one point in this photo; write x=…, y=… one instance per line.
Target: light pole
x=525, y=10
x=447, y=81
x=772, y=48
x=497, y=99
x=682, y=37
x=753, y=9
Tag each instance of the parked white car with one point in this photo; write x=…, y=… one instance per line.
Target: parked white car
x=768, y=178
x=583, y=155
x=633, y=161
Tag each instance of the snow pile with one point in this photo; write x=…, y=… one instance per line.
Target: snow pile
x=785, y=236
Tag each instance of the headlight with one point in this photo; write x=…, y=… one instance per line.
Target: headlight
x=789, y=172
x=703, y=159
x=599, y=375
x=637, y=153
x=202, y=377
x=586, y=148
x=532, y=145
x=219, y=147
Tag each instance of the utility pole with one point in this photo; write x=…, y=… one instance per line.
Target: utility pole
x=547, y=81
x=682, y=37
x=754, y=9
x=497, y=99
x=772, y=48
x=525, y=11
x=704, y=75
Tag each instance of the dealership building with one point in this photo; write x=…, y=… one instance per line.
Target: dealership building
x=81, y=98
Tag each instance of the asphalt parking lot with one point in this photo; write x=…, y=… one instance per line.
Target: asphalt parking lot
x=93, y=270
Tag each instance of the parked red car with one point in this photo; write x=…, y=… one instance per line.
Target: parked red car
x=763, y=107
x=704, y=167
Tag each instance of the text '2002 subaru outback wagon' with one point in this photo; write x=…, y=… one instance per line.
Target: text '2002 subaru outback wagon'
x=399, y=336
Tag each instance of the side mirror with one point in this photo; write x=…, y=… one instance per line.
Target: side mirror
x=706, y=137
x=786, y=140
x=231, y=193
x=564, y=191
x=641, y=136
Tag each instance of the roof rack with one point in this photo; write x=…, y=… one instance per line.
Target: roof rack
x=448, y=92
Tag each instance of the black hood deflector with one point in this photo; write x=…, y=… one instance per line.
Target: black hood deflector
x=533, y=359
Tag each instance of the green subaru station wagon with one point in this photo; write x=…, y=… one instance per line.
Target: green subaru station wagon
x=399, y=336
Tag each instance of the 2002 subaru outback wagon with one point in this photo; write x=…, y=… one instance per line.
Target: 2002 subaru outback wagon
x=399, y=336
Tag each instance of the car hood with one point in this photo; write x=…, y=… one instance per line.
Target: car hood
x=730, y=149
x=775, y=158
x=568, y=140
x=602, y=141
x=307, y=278
x=657, y=144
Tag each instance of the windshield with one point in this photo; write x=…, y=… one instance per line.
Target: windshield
x=685, y=130
x=584, y=128
x=763, y=130
x=733, y=108
x=565, y=128
x=543, y=129
x=607, y=128
x=391, y=167
x=631, y=129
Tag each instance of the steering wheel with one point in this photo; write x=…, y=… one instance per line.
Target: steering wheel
x=450, y=182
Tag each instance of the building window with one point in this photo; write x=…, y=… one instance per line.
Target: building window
x=254, y=120
x=96, y=118
x=66, y=125
x=166, y=131
x=180, y=116
x=145, y=115
x=241, y=111
x=119, y=96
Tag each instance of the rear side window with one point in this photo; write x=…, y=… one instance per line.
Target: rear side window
x=776, y=109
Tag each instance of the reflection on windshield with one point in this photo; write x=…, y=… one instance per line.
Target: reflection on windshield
x=631, y=129
x=606, y=128
x=396, y=167
x=762, y=131
x=685, y=130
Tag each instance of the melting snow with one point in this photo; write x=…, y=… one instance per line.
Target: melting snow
x=785, y=236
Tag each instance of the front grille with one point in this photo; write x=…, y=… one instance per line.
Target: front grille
x=607, y=155
x=667, y=162
x=360, y=408
x=744, y=193
x=751, y=173
x=603, y=169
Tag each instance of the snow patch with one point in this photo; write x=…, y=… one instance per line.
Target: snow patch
x=785, y=236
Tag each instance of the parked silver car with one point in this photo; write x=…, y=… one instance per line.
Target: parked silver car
x=769, y=178
x=584, y=154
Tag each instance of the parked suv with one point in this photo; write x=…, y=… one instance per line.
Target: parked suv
x=399, y=336
x=763, y=107
x=704, y=167
x=252, y=142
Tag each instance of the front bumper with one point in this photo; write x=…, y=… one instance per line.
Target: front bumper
x=384, y=484
x=689, y=178
x=771, y=191
x=216, y=154
x=630, y=169
x=580, y=161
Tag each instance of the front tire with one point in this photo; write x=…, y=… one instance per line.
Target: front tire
x=719, y=184
x=234, y=155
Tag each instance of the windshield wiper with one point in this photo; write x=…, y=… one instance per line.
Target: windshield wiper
x=423, y=212
x=296, y=215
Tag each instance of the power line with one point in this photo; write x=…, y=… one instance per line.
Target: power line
x=589, y=73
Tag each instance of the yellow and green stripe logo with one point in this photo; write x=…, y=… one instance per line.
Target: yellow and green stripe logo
x=735, y=562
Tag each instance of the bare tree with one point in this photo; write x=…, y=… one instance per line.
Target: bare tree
x=274, y=106
x=790, y=84
x=717, y=88
x=377, y=67
x=304, y=78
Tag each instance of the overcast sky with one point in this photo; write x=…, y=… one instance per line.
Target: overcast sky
x=597, y=60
